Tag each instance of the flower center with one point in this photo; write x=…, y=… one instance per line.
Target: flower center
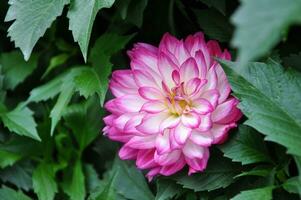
x=177, y=104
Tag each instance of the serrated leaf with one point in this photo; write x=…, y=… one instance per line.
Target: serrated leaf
x=104, y=47
x=262, y=171
x=44, y=183
x=292, y=185
x=62, y=101
x=31, y=19
x=22, y=146
x=21, y=121
x=127, y=175
x=84, y=120
x=167, y=189
x=20, y=174
x=219, y=173
x=46, y=91
x=107, y=190
x=267, y=94
x=88, y=83
x=55, y=62
x=214, y=24
x=74, y=186
x=260, y=193
x=92, y=179
x=8, y=158
x=15, y=69
x=81, y=18
x=246, y=146
x=260, y=24
x=10, y=194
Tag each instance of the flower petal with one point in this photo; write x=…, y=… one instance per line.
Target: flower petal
x=151, y=122
x=125, y=78
x=121, y=121
x=145, y=159
x=144, y=79
x=212, y=96
x=129, y=103
x=192, y=150
x=173, y=168
x=191, y=120
x=226, y=112
x=196, y=163
x=169, y=122
x=193, y=86
x=162, y=143
x=130, y=126
x=142, y=142
x=166, y=66
x=127, y=153
x=200, y=60
x=202, y=106
x=168, y=43
x=206, y=122
x=220, y=132
x=150, y=93
x=167, y=158
x=201, y=138
x=189, y=70
x=153, y=106
x=181, y=133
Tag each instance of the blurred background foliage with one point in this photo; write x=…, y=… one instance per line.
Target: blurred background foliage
x=56, y=57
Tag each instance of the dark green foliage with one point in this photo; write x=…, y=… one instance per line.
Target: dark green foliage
x=52, y=96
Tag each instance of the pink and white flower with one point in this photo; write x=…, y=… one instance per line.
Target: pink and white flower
x=172, y=105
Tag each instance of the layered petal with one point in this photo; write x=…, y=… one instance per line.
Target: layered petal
x=172, y=105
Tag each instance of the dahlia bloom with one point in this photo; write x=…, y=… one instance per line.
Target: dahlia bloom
x=172, y=105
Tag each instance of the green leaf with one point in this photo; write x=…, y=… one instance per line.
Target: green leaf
x=107, y=190
x=20, y=174
x=44, y=183
x=67, y=91
x=267, y=94
x=262, y=171
x=31, y=19
x=21, y=121
x=131, y=11
x=292, y=185
x=298, y=163
x=246, y=146
x=74, y=186
x=55, y=62
x=8, y=158
x=81, y=18
x=214, y=24
x=15, y=69
x=84, y=121
x=260, y=193
x=219, y=173
x=47, y=91
x=167, y=189
x=104, y=47
x=88, y=83
x=127, y=175
x=260, y=24
x=10, y=194
x=92, y=180
x=220, y=5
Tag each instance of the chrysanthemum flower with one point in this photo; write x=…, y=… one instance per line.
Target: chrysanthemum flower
x=172, y=105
